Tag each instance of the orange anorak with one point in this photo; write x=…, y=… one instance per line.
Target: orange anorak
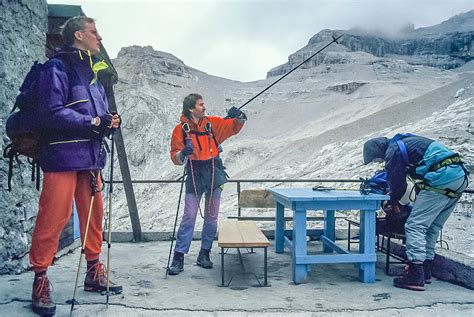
x=222, y=129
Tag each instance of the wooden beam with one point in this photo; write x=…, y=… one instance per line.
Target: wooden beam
x=126, y=177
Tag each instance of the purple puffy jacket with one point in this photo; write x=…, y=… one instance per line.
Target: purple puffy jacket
x=68, y=102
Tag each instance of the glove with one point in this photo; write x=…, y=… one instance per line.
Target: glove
x=103, y=127
x=188, y=148
x=234, y=112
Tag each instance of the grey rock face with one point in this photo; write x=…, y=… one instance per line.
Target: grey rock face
x=149, y=63
x=445, y=51
x=22, y=36
x=447, y=45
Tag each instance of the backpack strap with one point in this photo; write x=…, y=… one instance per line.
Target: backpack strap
x=9, y=154
x=403, y=152
x=401, y=145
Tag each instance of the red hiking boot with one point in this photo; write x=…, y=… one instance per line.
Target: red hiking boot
x=96, y=280
x=41, y=300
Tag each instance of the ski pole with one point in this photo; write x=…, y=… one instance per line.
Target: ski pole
x=94, y=189
x=109, y=233
x=322, y=188
x=175, y=222
x=186, y=130
x=334, y=40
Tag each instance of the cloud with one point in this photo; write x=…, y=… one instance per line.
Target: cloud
x=255, y=35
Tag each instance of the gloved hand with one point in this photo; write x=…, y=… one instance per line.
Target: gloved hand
x=102, y=124
x=234, y=112
x=188, y=148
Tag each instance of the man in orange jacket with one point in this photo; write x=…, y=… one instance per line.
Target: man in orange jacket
x=195, y=142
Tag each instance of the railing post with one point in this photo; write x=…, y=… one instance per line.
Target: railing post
x=238, y=199
x=124, y=168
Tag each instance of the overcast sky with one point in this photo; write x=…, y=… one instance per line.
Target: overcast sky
x=242, y=39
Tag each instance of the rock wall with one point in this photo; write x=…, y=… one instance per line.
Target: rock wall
x=23, y=26
x=445, y=51
x=447, y=45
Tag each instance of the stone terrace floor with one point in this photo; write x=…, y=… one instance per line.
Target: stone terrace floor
x=332, y=290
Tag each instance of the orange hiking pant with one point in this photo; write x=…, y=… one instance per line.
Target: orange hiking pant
x=55, y=209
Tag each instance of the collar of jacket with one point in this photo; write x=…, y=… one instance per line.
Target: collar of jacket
x=89, y=63
x=200, y=126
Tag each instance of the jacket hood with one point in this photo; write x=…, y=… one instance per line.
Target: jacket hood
x=375, y=148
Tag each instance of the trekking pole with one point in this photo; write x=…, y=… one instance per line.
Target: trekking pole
x=322, y=188
x=334, y=40
x=186, y=130
x=94, y=189
x=175, y=222
x=109, y=233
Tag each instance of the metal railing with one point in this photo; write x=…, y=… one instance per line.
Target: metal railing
x=238, y=182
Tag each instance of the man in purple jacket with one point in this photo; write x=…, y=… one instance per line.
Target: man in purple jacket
x=74, y=119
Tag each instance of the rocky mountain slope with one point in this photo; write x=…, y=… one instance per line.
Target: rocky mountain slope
x=311, y=125
x=447, y=45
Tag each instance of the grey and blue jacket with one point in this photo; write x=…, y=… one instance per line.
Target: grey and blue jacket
x=424, y=156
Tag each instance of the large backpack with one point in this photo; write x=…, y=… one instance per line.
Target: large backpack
x=21, y=125
x=377, y=184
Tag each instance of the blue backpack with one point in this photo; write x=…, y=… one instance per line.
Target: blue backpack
x=377, y=184
x=21, y=126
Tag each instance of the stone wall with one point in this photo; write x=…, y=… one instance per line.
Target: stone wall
x=23, y=26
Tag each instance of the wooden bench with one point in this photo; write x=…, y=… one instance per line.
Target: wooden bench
x=241, y=234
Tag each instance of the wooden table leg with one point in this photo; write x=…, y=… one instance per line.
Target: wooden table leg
x=329, y=229
x=265, y=283
x=299, y=246
x=279, y=228
x=222, y=266
x=367, y=246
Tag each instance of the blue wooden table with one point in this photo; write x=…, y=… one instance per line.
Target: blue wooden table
x=302, y=199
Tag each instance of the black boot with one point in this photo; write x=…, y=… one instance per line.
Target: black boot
x=427, y=267
x=203, y=259
x=177, y=265
x=413, y=278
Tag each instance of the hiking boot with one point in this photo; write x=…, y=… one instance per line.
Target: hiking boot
x=96, y=280
x=41, y=300
x=427, y=267
x=413, y=278
x=203, y=259
x=177, y=265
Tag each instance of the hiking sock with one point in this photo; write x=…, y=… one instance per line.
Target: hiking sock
x=91, y=264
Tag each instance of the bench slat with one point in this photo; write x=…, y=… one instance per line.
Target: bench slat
x=244, y=234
